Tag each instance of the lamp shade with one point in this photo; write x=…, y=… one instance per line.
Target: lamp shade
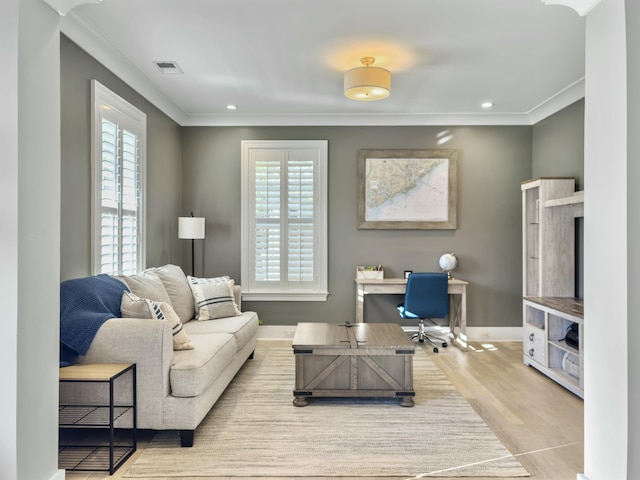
x=191, y=227
x=367, y=83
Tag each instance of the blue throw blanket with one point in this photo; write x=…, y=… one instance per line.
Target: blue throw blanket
x=85, y=304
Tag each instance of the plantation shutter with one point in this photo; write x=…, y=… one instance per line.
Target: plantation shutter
x=267, y=220
x=109, y=224
x=284, y=226
x=120, y=200
x=130, y=203
x=118, y=215
x=300, y=220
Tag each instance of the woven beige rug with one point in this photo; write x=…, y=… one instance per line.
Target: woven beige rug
x=255, y=431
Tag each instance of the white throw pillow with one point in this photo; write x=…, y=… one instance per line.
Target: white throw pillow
x=213, y=297
x=133, y=306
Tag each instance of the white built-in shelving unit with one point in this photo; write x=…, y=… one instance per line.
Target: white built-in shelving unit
x=549, y=209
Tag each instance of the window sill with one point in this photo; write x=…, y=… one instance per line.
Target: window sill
x=284, y=296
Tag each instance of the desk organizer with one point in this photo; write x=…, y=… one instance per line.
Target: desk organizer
x=370, y=272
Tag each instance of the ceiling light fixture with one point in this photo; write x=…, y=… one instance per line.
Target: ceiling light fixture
x=231, y=107
x=367, y=83
x=487, y=105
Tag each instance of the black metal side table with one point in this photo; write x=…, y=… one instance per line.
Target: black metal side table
x=98, y=417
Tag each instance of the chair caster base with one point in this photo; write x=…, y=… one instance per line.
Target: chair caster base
x=435, y=349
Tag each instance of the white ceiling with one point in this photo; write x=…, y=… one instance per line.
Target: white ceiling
x=282, y=61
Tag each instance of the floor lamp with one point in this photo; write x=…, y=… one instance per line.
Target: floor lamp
x=191, y=228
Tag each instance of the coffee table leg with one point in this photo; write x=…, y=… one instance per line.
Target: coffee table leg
x=406, y=402
x=300, y=401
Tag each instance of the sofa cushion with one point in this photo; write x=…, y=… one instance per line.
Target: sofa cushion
x=213, y=297
x=193, y=371
x=146, y=286
x=175, y=282
x=242, y=327
x=133, y=306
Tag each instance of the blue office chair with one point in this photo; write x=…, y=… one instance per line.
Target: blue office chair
x=426, y=297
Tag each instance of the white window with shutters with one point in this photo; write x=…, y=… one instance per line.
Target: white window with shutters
x=284, y=220
x=118, y=183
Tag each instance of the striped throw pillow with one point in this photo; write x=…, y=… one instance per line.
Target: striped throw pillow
x=213, y=297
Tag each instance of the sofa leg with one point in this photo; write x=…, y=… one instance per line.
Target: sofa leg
x=186, y=438
x=251, y=356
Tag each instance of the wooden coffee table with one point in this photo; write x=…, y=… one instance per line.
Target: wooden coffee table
x=357, y=360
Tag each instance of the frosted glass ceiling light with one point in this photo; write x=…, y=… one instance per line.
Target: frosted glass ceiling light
x=367, y=83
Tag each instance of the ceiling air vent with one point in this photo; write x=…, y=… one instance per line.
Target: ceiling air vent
x=168, y=67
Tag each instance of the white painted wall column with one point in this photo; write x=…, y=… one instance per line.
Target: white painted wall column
x=33, y=242
x=606, y=405
x=9, y=235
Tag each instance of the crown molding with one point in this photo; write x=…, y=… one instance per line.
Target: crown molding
x=557, y=102
x=319, y=120
x=92, y=42
x=63, y=7
x=583, y=7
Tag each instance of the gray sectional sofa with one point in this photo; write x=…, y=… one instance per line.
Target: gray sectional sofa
x=175, y=388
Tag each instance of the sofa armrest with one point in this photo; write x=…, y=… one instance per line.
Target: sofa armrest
x=149, y=344
x=237, y=293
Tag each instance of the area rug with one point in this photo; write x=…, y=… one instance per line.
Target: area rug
x=255, y=431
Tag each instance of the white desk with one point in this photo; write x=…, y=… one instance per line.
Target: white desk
x=457, y=297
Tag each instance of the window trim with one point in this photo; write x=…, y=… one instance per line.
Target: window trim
x=322, y=197
x=135, y=120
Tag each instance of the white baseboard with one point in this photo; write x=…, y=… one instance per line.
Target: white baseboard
x=494, y=334
x=276, y=332
x=59, y=475
x=475, y=334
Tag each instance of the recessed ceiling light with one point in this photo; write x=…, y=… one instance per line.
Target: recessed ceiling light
x=231, y=107
x=487, y=105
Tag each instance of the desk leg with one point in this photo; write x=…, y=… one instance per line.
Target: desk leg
x=458, y=318
x=463, y=318
x=359, y=304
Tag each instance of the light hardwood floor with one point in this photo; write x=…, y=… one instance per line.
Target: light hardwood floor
x=536, y=419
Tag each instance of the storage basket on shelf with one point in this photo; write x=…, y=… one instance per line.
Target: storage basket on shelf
x=370, y=272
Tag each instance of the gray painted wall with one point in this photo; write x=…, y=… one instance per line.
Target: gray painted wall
x=493, y=162
x=164, y=167
x=558, y=151
x=558, y=145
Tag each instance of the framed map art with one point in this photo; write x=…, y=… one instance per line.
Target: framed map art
x=407, y=189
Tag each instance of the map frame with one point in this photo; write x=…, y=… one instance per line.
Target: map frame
x=366, y=155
